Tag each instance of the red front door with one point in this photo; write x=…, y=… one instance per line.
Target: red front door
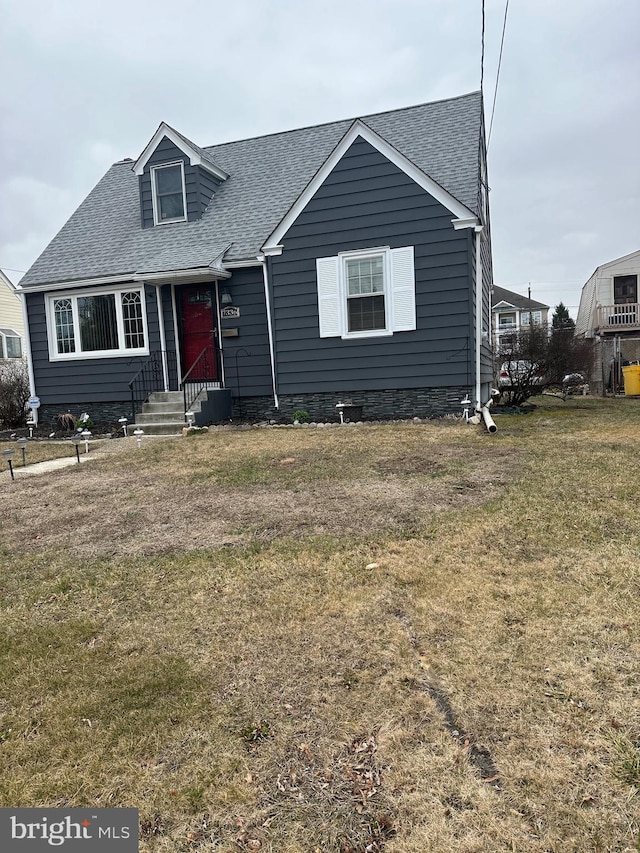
x=198, y=329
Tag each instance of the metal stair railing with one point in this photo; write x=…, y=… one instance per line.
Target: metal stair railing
x=198, y=377
x=152, y=376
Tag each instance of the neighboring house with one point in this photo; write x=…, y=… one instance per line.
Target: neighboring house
x=347, y=262
x=609, y=314
x=511, y=312
x=11, y=322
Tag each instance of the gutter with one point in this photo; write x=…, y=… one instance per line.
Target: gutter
x=165, y=277
x=263, y=262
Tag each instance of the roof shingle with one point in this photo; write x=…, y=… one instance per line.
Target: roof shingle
x=266, y=175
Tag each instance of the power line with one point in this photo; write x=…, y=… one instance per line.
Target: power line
x=495, y=93
x=482, y=52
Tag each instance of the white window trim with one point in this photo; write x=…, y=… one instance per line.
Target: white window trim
x=343, y=257
x=399, y=292
x=121, y=352
x=4, y=353
x=156, y=217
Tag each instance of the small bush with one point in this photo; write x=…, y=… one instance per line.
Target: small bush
x=14, y=393
x=66, y=421
x=84, y=422
x=301, y=416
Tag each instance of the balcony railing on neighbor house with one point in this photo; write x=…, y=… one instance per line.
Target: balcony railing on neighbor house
x=617, y=317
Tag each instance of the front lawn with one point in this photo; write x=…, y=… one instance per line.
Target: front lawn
x=398, y=638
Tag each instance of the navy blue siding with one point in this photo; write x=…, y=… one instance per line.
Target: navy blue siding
x=79, y=381
x=366, y=202
x=199, y=184
x=253, y=375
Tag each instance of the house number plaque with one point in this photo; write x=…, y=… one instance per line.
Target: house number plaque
x=230, y=311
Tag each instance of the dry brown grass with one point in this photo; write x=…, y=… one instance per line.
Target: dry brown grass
x=295, y=641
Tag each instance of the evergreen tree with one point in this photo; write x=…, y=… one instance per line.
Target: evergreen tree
x=561, y=318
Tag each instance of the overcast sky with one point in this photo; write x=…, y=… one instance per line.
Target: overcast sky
x=86, y=82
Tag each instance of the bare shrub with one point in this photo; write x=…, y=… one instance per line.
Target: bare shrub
x=14, y=392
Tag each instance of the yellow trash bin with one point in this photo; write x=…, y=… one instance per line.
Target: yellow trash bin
x=631, y=375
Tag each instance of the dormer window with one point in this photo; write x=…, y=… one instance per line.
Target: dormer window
x=169, y=196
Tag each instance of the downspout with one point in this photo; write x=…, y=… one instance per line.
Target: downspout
x=163, y=340
x=478, y=236
x=176, y=336
x=219, y=325
x=27, y=346
x=265, y=276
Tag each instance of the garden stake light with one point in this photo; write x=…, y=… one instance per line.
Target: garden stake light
x=123, y=423
x=7, y=455
x=86, y=435
x=138, y=434
x=23, y=446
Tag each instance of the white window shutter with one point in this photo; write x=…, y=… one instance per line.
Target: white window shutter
x=329, y=307
x=403, y=290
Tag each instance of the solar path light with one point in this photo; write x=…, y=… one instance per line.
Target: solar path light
x=86, y=435
x=7, y=455
x=123, y=423
x=138, y=434
x=23, y=446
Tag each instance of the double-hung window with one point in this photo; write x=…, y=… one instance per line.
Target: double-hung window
x=97, y=324
x=367, y=293
x=169, y=195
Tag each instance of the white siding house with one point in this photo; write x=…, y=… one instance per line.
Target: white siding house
x=11, y=322
x=609, y=315
x=511, y=312
x=609, y=299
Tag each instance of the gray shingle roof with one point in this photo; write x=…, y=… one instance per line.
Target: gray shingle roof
x=266, y=175
x=500, y=294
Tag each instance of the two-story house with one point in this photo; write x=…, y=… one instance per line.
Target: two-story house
x=609, y=315
x=349, y=261
x=511, y=312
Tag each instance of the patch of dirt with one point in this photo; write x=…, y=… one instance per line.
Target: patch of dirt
x=104, y=512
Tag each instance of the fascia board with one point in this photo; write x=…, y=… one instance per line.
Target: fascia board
x=504, y=304
x=168, y=276
x=157, y=277
x=194, y=156
x=360, y=129
x=77, y=283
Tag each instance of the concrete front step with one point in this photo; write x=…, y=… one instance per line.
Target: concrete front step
x=159, y=428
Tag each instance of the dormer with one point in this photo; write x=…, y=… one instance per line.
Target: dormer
x=177, y=179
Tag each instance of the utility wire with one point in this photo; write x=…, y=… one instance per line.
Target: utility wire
x=495, y=93
x=482, y=51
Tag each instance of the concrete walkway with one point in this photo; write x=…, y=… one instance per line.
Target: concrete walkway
x=97, y=450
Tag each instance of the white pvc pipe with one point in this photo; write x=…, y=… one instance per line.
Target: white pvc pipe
x=488, y=420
